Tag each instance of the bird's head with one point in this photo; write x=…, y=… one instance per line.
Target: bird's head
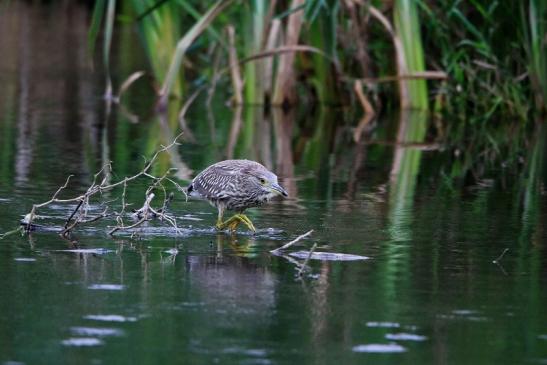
x=266, y=181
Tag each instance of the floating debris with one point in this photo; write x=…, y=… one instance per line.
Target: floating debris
x=379, y=348
x=328, y=256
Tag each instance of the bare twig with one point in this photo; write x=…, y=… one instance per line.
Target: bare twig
x=65, y=232
x=30, y=217
x=121, y=228
x=287, y=245
x=73, y=213
x=146, y=213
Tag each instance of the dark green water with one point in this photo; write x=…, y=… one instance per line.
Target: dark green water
x=430, y=292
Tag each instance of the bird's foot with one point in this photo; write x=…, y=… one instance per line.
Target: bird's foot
x=234, y=221
x=248, y=222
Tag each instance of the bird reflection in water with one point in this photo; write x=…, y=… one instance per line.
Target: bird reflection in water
x=231, y=245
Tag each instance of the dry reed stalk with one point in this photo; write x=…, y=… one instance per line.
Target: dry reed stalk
x=237, y=82
x=399, y=56
x=359, y=36
x=284, y=93
x=424, y=75
x=182, y=47
x=273, y=39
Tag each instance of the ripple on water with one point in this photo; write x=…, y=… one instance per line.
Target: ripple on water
x=379, y=348
x=243, y=351
x=25, y=259
x=466, y=314
x=106, y=287
x=110, y=318
x=95, y=251
x=82, y=341
x=95, y=331
x=383, y=324
x=405, y=337
x=328, y=256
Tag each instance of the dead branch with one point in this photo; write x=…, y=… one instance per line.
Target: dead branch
x=146, y=213
x=80, y=213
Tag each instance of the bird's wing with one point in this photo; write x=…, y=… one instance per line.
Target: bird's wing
x=212, y=182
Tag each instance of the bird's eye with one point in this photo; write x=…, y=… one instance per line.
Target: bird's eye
x=262, y=181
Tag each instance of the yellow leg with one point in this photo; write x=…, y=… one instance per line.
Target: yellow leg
x=234, y=221
x=219, y=219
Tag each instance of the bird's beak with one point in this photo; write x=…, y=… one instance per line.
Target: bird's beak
x=278, y=189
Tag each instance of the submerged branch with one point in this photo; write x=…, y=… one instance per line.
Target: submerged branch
x=305, y=264
x=497, y=260
x=17, y=230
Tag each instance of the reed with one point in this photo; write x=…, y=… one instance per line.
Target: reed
x=253, y=41
x=182, y=47
x=284, y=92
x=103, y=8
x=487, y=65
x=407, y=25
x=534, y=22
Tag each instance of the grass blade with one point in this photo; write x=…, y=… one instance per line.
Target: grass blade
x=183, y=45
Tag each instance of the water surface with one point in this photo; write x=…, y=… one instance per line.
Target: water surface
x=430, y=292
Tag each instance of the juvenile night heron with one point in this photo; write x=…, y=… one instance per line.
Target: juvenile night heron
x=235, y=185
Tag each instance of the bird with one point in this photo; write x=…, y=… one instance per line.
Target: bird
x=235, y=185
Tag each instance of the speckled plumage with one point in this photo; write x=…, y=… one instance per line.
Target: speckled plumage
x=235, y=185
